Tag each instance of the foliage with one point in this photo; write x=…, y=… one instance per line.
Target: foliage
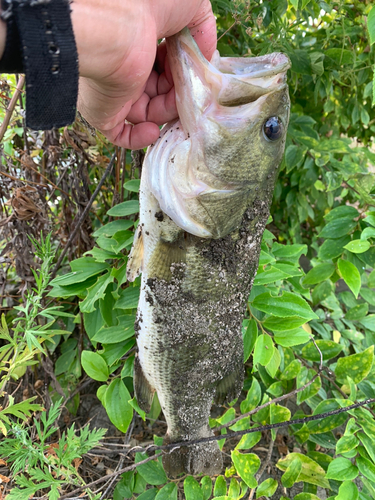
x=315, y=278
x=49, y=466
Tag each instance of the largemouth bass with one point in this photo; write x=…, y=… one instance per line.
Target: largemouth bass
x=206, y=187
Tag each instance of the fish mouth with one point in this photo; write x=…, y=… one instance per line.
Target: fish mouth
x=232, y=81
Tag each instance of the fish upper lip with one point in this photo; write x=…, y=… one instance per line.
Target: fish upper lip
x=270, y=65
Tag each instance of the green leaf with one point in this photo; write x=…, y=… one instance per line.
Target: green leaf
x=366, y=468
x=192, y=489
x=356, y=313
x=306, y=496
x=350, y=275
x=357, y=365
x=328, y=348
x=148, y=495
x=341, y=469
x=291, y=371
x=82, y=269
x=319, y=273
x=276, y=324
x=152, y=472
x=294, y=3
x=292, y=473
x=340, y=56
x=124, y=209
x=371, y=25
x=346, y=443
x=348, y=490
x=304, y=376
x=206, y=487
x=253, y=397
x=263, y=350
x=270, y=276
x=96, y=292
x=332, y=248
x=118, y=333
x=119, y=411
x=311, y=472
x=286, y=305
x=168, y=492
x=220, y=488
x=267, y=488
x=278, y=414
x=293, y=156
x=95, y=366
x=249, y=338
x=114, y=227
x=358, y=246
x=368, y=443
x=338, y=228
x=326, y=424
x=129, y=298
x=274, y=363
x=292, y=337
x=133, y=185
x=288, y=252
x=247, y=466
x=346, y=211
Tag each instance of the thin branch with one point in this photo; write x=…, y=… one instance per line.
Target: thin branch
x=261, y=428
x=83, y=215
x=108, y=476
x=230, y=435
x=263, y=468
x=280, y=398
x=10, y=108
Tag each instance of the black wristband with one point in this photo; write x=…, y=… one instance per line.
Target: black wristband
x=49, y=56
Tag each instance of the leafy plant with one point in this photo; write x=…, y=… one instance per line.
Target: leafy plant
x=315, y=279
x=49, y=466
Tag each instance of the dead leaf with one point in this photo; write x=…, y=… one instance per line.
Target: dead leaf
x=50, y=451
x=22, y=203
x=2, y=462
x=4, y=479
x=77, y=462
x=38, y=384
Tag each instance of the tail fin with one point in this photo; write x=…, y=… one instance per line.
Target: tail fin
x=203, y=458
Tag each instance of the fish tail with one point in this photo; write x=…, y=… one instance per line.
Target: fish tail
x=202, y=458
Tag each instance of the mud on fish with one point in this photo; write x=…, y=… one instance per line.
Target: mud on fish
x=206, y=187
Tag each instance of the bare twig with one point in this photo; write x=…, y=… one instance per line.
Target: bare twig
x=108, y=476
x=263, y=468
x=83, y=215
x=230, y=435
x=122, y=460
x=12, y=105
x=280, y=398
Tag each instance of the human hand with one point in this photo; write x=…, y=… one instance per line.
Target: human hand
x=124, y=73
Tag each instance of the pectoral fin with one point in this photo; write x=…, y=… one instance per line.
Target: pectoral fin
x=143, y=390
x=134, y=266
x=229, y=387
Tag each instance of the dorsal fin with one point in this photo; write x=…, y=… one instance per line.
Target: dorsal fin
x=135, y=260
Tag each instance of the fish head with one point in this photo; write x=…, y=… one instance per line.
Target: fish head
x=230, y=139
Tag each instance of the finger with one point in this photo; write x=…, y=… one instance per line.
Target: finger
x=160, y=109
x=135, y=136
x=203, y=29
x=152, y=84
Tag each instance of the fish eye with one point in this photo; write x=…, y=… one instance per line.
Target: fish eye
x=273, y=128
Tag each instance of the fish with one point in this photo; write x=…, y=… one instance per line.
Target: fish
x=205, y=192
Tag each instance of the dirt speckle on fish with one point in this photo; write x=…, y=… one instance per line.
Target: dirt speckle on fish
x=204, y=203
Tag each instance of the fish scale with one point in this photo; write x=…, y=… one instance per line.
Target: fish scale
x=205, y=192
